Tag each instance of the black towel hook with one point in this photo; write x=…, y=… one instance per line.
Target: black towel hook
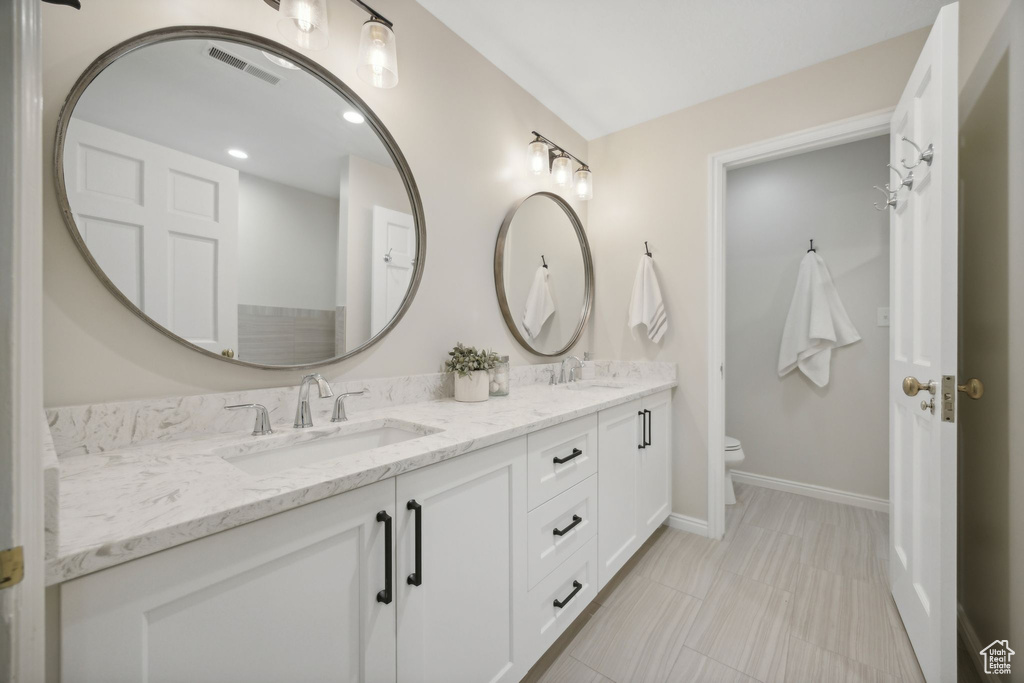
x=647, y=249
x=812, y=248
x=542, y=261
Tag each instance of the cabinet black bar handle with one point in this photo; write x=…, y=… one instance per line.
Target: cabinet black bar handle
x=576, y=519
x=643, y=425
x=385, y=595
x=416, y=578
x=576, y=588
x=575, y=454
x=648, y=429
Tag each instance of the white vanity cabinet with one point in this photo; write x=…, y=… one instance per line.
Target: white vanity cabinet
x=292, y=597
x=634, y=478
x=491, y=556
x=461, y=593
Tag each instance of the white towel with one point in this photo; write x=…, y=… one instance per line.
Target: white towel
x=539, y=304
x=816, y=324
x=646, y=306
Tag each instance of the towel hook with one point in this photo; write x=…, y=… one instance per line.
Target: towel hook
x=890, y=198
x=906, y=181
x=812, y=248
x=647, y=249
x=387, y=256
x=542, y=261
x=927, y=155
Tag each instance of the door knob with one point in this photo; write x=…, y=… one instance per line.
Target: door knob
x=911, y=385
x=973, y=388
x=228, y=353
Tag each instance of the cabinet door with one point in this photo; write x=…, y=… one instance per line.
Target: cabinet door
x=461, y=618
x=655, y=465
x=618, y=437
x=292, y=597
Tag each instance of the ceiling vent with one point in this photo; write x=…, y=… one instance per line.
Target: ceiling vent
x=242, y=65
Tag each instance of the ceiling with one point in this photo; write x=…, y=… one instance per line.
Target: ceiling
x=174, y=94
x=605, y=65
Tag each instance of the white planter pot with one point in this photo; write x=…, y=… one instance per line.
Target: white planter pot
x=473, y=387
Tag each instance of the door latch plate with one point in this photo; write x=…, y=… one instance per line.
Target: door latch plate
x=12, y=567
x=949, y=398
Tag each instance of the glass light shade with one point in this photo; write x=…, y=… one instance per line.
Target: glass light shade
x=583, y=184
x=378, y=60
x=561, y=172
x=537, y=154
x=304, y=22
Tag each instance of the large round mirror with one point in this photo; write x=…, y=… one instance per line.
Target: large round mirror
x=239, y=198
x=544, y=274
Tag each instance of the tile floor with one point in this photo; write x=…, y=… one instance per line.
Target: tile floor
x=796, y=591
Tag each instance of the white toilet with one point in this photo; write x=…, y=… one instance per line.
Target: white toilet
x=733, y=457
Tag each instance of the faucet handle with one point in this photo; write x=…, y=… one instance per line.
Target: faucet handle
x=262, y=425
x=339, y=405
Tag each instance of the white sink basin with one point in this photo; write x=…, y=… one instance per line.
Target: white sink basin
x=588, y=384
x=262, y=458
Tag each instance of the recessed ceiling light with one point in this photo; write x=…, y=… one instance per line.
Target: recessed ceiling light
x=238, y=154
x=353, y=117
x=280, y=61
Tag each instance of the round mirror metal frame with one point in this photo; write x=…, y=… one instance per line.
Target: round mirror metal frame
x=588, y=274
x=312, y=68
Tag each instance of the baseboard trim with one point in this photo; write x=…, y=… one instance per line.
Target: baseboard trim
x=812, y=491
x=687, y=523
x=973, y=645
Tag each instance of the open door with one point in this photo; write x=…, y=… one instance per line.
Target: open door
x=923, y=355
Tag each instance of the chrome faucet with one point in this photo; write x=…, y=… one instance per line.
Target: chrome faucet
x=262, y=425
x=339, y=405
x=572, y=371
x=303, y=417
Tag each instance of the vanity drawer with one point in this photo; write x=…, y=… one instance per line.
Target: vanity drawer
x=561, y=457
x=545, y=620
x=574, y=513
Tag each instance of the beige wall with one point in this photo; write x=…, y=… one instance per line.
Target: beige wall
x=653, y=186
x=837, y=435
x=461, y=123
x=991, y=482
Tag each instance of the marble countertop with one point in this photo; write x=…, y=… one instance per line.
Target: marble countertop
x=119, y=505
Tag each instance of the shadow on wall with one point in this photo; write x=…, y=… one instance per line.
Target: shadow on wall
x=990, y=541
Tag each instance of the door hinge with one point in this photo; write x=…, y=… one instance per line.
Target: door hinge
x=948, y=398
x=12, y=567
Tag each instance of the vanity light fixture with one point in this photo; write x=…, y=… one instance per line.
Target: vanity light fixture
x=561, y=171
x=238, y=154
x=353, y=116
x=538, y=157
x=583, y=186
x=545, y=156
x=304, y=22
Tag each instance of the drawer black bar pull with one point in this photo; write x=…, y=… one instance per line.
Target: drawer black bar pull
x=643, y=425
x=575, y=454
x=385, y=595
x=576, y=519
x=648, y=429
x=416, y=578
x=576, y=588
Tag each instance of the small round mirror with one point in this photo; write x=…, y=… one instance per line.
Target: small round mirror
x=544, y=274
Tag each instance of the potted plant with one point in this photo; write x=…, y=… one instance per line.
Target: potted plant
x=470, y=367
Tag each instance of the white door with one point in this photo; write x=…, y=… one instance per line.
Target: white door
x=923, y=344
x=163, y=226
x=293, y=597
x=394, y=259
x=654, y=462
x=619, y=437
x=461, y=607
